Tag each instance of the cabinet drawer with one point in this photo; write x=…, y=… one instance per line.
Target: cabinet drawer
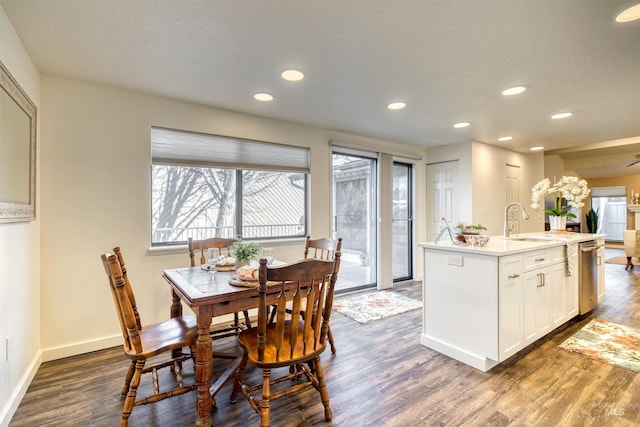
x=537, y=259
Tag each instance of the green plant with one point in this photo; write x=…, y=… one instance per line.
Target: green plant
x=461, y=226
x=245, y=251
x=592, y=220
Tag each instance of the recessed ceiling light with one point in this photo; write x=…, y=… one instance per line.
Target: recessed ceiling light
x=396, y=106
x=461, y=125
x=561, y=115
x=536, y=148
x=263, y=96
x=505, y=138
x=514, y=90
x=292, y=75
x=630, y=14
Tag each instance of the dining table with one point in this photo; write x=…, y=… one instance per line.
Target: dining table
x=210, y=294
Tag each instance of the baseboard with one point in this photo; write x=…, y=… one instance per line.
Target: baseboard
x=16, y=397
x=81, y=348
x=479, y=362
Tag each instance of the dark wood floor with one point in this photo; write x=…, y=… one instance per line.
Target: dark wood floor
x=382, y=376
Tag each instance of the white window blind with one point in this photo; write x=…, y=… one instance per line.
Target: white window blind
x=609, y=192
x=183, y=148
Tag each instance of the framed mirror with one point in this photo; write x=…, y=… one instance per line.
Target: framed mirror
x=17, y=151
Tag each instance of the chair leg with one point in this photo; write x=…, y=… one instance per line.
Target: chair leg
x=629, y=264
x=236, y=382
x=322, y=388
x=127, y=379
x=247, y=321
x=131, y=395
x=264, y=404
x=330, y=336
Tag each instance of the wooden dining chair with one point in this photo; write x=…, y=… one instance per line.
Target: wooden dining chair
x=292, y=340
x=323, y=248
x=142, y=342
x=200, y=248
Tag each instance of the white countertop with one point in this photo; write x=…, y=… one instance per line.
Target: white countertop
x=517, y=243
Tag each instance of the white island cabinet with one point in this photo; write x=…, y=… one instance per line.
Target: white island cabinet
x=484, y=304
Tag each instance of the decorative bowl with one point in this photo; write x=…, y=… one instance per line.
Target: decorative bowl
x=478, y=241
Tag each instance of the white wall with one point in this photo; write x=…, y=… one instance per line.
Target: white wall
x=462, y=153
x=554, y=169
x=489, y=187
x=481, y=178
x=19, y=259
x=95, y=193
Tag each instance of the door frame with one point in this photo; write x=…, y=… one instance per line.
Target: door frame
x=410, y=220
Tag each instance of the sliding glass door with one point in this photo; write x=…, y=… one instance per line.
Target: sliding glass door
x=354, y=218
x=402, y=254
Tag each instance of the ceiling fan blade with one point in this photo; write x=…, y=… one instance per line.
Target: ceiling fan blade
x=632, y=163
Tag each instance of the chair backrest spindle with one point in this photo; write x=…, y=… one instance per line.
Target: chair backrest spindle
x=202, y=246
x=323, y=248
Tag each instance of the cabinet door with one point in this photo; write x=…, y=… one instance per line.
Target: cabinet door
x=571, y=302
x=543, y=302
x=560, y=295
x=529, y=288
x=510, y=303
x=536, y=309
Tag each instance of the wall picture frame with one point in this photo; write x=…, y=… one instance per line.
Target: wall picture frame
x=18, y=121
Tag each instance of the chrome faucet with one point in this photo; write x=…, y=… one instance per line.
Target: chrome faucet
x=525, y=216
x=447, y=228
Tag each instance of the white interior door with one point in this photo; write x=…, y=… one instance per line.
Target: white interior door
x=442, y=184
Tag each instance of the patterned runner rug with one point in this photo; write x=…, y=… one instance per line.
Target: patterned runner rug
x=376, y=305
x=607, y=342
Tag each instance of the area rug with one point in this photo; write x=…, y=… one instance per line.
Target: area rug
x=607, y=342
x=622, y=259
x=377, y=305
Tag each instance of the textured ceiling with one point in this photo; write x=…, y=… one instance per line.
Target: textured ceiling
x=448, y=60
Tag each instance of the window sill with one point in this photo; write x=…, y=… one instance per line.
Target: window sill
x=181, y=249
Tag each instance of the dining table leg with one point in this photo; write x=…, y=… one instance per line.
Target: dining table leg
x=176, y=305
x=204, y=366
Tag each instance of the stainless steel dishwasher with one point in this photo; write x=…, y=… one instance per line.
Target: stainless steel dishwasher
x=588, y=275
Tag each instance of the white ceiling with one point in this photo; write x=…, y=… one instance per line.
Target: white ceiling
x=448, y=60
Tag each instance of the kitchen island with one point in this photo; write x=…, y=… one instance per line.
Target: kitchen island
x=481, y=305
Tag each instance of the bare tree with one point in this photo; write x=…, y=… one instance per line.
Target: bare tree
x=184, y=195
x=197, y=197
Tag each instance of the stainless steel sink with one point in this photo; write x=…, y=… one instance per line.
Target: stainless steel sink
x=532, y=239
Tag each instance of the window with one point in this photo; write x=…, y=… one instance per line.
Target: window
x=210, y=186
x=611, y=205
